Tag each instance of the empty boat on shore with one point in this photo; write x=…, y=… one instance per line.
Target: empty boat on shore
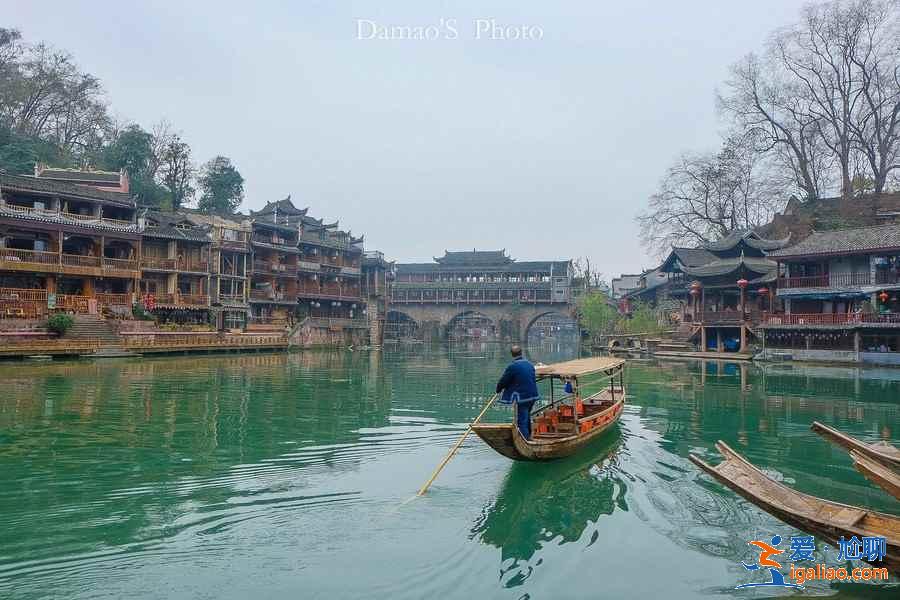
x=822, y=518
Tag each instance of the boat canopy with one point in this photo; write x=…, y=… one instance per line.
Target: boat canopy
x=580, y=367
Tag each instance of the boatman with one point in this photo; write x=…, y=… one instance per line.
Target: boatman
x=519, y=386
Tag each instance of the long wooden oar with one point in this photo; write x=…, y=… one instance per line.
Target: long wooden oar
x=447, y=458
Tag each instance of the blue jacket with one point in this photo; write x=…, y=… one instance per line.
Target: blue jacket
x=518, y=382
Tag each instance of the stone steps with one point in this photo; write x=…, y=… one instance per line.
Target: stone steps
x=90, y=327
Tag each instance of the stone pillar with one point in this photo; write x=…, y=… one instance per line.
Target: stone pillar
x=718, y=339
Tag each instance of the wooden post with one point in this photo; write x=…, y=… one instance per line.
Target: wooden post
x=718, y=339
x=702, y=338
x=743, y=338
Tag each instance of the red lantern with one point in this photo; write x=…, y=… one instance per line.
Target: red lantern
x=883, y=296
x=762, y=291
x=742, y=283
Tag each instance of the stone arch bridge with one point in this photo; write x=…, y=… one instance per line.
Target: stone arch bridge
x=500, y=322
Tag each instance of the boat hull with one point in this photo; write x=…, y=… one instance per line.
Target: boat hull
x=884, y=454
x=824, y=519
x=508, y=441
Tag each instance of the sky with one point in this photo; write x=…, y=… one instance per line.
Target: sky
x=547, y=146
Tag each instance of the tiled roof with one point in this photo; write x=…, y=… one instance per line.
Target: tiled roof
x=749, y=237
x=557, y=266
x=475, y=257
x=844, y=241
x=171, y=226
x=723, y=266
x=25, y=183
x=78, y=175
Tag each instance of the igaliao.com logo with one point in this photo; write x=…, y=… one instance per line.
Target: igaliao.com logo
x=802, y=549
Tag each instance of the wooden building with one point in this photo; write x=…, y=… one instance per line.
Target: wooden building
x=67, y=245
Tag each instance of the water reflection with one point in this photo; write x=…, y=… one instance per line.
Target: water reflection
x=552, y=503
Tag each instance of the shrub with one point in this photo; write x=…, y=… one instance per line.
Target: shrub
x=60, y=323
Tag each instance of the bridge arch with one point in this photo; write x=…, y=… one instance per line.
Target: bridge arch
x=400, y=326
x=471, y=325
x=552, y=325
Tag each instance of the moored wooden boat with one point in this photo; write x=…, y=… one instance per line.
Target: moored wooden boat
x=568, y=423
x=824, y=519
x=882, y=476
x=881, y=452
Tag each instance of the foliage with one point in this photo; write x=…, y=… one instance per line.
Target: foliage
x=140, y=313
x=60, y=323
x=221, y=186
x=643, y=319
x=178, y=171
x=19, y=153
x=51, y=112
x=45, y=95
x=596, y=314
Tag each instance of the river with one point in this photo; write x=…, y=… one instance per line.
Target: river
x=291, y=476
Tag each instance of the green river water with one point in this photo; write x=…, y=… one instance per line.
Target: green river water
x=290, y=476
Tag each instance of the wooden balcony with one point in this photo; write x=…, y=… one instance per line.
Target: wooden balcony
x=33, y=302
x=842, y=280
x=28, y=260
x=155, y=263
x=70, y=264
x=274, y=297
x=232, y=299
x=305, y=265
x=279, y=269
x=182, y=300
x=819, y=319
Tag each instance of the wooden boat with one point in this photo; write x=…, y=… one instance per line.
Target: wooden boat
x=881, y=452
x=822, y=518
x=569, y=422
x=877, y=473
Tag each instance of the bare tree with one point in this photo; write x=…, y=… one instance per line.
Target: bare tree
x=703, y=197
x=876, y=124
x=775, y=114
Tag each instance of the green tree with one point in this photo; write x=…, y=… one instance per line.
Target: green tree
x=19, y=153
x=221, y=186
x=132, y=150
x=177, y=171
x=643, y=319
x=596, y=314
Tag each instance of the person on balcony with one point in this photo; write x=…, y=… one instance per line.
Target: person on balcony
x=519, y=387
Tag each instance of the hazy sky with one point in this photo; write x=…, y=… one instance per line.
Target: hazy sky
x=546, y=147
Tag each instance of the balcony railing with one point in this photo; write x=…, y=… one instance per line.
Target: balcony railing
x=33, y=257
x=193, y=266
x=114, y=299
x=120, y=264
x=305, y=265
x=276, y=268
x=270, y=296
x=179, y=299
x=337, y=323
x=827, y=280
x=231, y=299
x=23, y=295
x=158, y=263
x=350, y=270
x=830, y=318
x=77, y=260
